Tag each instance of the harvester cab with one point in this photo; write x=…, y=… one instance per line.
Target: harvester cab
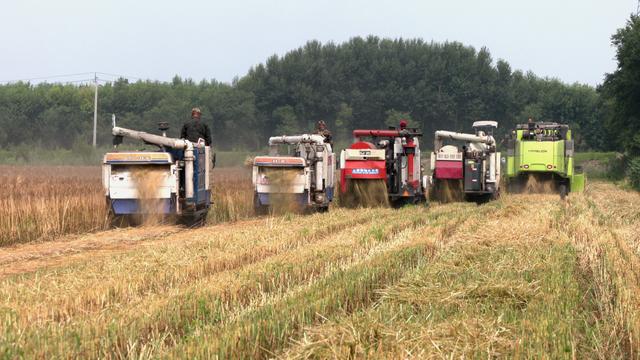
x=300, y=180
x=469, y=172
x=169, y=183
x=540, y=159
x=382, y=167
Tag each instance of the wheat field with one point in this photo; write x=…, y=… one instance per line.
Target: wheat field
x=41, y=203
x=528, y=276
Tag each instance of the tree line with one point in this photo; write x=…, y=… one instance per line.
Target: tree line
x=362, y=83
x=620, y=95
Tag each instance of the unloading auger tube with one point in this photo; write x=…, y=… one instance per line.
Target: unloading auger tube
x=442, y=135
x=296, y=139
x=173, y=143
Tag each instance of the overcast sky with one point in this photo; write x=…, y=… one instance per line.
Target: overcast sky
x=156, y=39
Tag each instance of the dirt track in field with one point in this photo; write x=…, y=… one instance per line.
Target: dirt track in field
x=25, y=258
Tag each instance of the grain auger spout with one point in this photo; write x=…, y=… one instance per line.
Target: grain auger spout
x=172, y=181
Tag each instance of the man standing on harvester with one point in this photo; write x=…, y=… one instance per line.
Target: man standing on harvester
x=194, y=129
x=322, y=129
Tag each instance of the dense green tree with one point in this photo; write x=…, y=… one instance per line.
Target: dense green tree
x=622, y=88
x=621, y=97
x=394, y=117
x=362, y=83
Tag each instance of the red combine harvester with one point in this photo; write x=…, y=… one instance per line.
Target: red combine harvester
x=382, y=167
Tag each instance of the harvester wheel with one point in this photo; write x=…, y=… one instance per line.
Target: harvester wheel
x=258, y=208
x=261, y=210
x=563, y=191
x=120, y=221
x=195, y=220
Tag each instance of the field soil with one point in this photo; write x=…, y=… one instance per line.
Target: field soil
x=527, y=276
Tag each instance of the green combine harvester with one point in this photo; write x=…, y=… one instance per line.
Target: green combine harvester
x=540, y=159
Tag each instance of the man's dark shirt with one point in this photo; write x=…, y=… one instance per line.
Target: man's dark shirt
x=194, y=130
x=327, y=135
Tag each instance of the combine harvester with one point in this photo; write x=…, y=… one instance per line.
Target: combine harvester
x=382, y=167
x=470, y=173
x=171, y=183
x=302, y=180
x=540, y=159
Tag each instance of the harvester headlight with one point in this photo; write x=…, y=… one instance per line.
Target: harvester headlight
x=549, y=167
x=526, y=166
x=319, y=197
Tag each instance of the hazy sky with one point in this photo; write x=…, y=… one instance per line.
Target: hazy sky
x=156, y=39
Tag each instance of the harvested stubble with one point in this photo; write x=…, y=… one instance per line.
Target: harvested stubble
x=527, y=276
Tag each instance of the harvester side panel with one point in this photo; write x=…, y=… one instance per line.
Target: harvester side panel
x=448, y=169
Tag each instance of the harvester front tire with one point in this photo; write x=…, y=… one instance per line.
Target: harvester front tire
x=563, y=191
x=261, y=210
x=195, y=220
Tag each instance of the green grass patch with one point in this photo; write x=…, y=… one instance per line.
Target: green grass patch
x=594, y=155
x=602, y=165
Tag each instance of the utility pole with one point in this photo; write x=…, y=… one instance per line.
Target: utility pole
x=95, y=108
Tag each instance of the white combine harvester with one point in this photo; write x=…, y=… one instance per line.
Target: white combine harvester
x=470, y=172
x=302, y=179
x=171, y=182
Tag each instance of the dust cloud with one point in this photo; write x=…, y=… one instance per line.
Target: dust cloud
x=365, y=193
x=282, y=199
x=447, y=190
x=539, y=184
x=148, y=180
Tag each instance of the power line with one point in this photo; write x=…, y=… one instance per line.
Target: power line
x=46, y=77
x=119, y=75
x=72, y=75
